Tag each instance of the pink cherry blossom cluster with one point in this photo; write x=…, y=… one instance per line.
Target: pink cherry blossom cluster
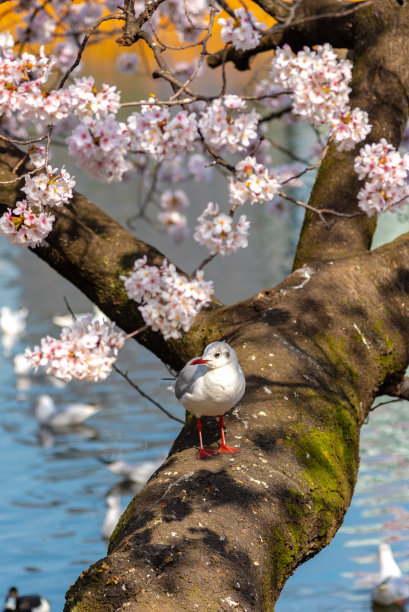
x=386, y=188
x=254, y=182
x=86, y=351
x=25, y=227
x=99, y=147
x=223, y=125
x=169, y=301
x=318, y=85
x=219, y=233
x=86, y=100
x=51, y=188
x=21, y=78
x=28, y=224
x=171, y=219
x=244, y=31
x=23, y=97
x=155, y=132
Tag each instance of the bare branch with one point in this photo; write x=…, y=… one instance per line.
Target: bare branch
x=399, y=389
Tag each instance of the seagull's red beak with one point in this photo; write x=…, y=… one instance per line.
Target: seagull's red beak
x=198, y=361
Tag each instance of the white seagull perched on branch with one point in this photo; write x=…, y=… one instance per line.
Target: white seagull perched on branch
x=392, y=588
x=209, y=386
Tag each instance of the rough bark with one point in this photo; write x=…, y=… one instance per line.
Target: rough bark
x=315, y=351
x=201, y=535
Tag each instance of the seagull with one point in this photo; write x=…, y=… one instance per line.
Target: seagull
x=12, y=325
x=13, y=322
x=26, y=603
x=392, y=587
x=68, y=320
x=114, y=511
x=49, y=414
x=22, y=365
x=138, y=473
x=209, y=386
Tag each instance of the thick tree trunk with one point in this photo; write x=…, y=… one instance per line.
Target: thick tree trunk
x=200, y=535
x=226, y=533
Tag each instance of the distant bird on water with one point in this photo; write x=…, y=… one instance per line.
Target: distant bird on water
x=392, y=588
x=25, y=603
x=47, y=413
x=209, y=386
x=138, y=472
x=13, y=322
x=113, y=513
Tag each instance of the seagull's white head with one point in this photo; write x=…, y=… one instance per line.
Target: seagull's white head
x=217, y=355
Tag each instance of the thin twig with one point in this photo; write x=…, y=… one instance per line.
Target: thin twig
x=309, y=168
x=85, y=41
x=384, y=403
x=143, y=394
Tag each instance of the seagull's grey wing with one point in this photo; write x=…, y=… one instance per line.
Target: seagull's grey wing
x=184, y=380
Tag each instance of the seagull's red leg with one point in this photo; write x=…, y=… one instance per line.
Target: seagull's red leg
x=223, y=447
x=204, y=453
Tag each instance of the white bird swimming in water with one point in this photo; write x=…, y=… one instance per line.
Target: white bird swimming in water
x=13, y=322
x=113, y=513
x=392, y=588
x=26, y=603
x=138, y=472
x=209, y=386
x=68, y=320
x=49, y=414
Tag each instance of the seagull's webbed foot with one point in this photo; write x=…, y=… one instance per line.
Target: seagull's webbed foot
x=229, y=449
x=206, y=453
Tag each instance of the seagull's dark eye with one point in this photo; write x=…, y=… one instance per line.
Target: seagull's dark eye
x=217, y=354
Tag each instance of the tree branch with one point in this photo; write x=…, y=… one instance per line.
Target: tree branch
x=234, y=529
x=310, y=22
x=92, y=250
x=380, y=85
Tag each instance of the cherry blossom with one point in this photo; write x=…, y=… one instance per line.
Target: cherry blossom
x=174, y=200
x=169, y=301
x=28, y=224
x=21, y=79
x=86, y=351
x=188, y=26
x=219, y=233
x=25, y=227
x=254, y=182
x=174, y=223
x=64, y=54
x=244, y=31
x=198, y=166
x=99, y=147
x=50, y=188
x=318, y=86
x=386, y=172
x=222, y=125
x=155, y=132
x=86, y=100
